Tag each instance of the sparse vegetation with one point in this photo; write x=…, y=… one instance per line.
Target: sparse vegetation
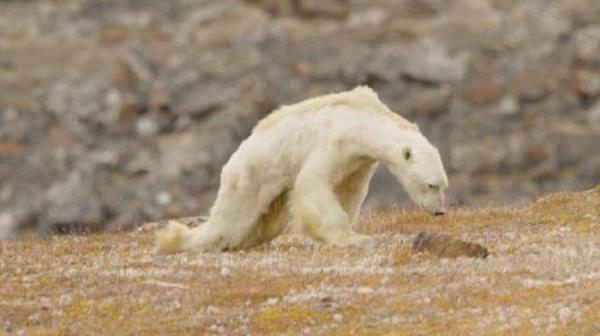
x=542, y=277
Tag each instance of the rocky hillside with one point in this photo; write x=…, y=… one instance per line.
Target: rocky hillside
x=539, y=276
x=117, y=112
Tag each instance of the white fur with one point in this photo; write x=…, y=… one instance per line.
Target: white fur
x=310, y=163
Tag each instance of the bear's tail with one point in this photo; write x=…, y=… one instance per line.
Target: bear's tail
x=171, y=239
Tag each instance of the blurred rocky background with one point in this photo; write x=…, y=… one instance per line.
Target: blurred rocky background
x=117, y=112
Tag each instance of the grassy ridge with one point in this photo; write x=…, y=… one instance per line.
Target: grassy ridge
x=542, y=277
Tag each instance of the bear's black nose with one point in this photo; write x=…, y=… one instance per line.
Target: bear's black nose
x=439, y=213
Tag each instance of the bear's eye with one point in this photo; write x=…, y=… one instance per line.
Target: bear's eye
x=406, y=152
x=433, y=187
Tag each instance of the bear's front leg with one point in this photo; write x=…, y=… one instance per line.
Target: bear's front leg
x=318, y=213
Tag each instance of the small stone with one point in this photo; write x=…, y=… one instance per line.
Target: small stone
x=7, y=225
x=277, y=7
x=164, y=198
x=425, y=61
x=483, y=93
x=9, y=149
x=139, y=64
x=397, y=319
x=508, y=105
x=370, y=17
x=365, y=290
x=147, y=127
x=123, y=74
x=587, y=45
x=203, y=101
x=33, y=319
x=129, y=107
x=429, y=62
x=593, y=114
x=428, y=102
x=159, y=100
x=332, y=9
x=8, y=328
x=225, y=271
x=114, y=35
x=586, y=82
x=271, y=301
x=338, y=318
x=212, y=310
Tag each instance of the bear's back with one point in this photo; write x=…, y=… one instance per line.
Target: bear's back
x=362, y=97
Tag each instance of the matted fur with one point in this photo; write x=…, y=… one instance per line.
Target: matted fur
x=309, y=165
x=362, y=97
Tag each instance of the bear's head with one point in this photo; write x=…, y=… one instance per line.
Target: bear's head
x=421, y=172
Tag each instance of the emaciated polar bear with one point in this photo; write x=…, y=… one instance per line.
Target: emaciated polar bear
x=309, y=164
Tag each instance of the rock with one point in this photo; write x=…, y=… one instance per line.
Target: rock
x=586, y=83
x=139, y=64
x=508, y=105
x=78, y=104
x=587, y=45
x=446, y=246
x=371, y=17
x=203, y=100
x=573, y=147
x=431, y=63
x=9, y=149
x=72, y=205
x=123, y=75
x=427, y=103
x=593, y=114
x=184, y=153
x=133, y=68
x=424, y=61
x=147, y=126
x=276, y=7
x=159, y=100
x=333, y=9
x=387, y=63
x=329, y=9
x=104, y=159
x=531, y=87
x=8, y=225
x=483, y=93
x=114, y=35
x=142, y=162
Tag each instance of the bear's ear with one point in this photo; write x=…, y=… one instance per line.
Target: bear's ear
x=407, y=153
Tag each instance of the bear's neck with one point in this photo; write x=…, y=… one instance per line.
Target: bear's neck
x=384, y=142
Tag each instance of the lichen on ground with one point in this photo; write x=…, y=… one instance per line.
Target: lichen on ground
x=542, y=276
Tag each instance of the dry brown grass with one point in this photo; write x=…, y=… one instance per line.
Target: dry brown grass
x=542, y=277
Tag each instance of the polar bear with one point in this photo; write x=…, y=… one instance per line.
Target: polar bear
x=309, y=165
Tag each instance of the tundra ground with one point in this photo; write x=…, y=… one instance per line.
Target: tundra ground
x=542, y=277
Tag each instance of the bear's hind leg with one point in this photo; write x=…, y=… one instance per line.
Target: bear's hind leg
x=235, y=214
x=271, y=223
